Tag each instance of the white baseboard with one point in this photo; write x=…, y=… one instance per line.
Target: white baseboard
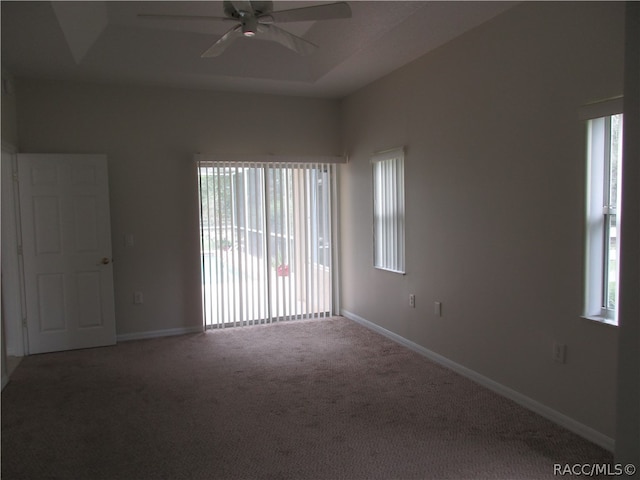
x=125, y=337
x=561, y=419
x=5, y=381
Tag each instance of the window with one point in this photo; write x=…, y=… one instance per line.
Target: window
x=604, y=152
x=388, y=210
x=265, y=241
x=319, y=196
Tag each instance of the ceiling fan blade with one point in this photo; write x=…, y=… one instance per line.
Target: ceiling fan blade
x=157, y=16
x=224, y=41
x=297, y=44
x=327, y=11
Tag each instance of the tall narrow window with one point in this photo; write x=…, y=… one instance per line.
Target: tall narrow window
x=388, y=210
x=266, y=242
x=603, y=216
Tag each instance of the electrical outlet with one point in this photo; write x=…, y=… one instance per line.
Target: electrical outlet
x=559, y=353
x=138, y=298
x=412, y=301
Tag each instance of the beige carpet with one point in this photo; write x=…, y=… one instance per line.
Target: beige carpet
x=317, y=399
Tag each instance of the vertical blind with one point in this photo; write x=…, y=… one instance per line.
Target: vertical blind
x=388, y=210
x=265, y=241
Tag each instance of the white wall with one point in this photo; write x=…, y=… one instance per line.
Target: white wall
x=628, y=403
x=495, y=182
x=150, y=135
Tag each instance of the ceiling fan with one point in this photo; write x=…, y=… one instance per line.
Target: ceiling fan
x=257, y=18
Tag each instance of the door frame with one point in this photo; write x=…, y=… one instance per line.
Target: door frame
x=13, y=294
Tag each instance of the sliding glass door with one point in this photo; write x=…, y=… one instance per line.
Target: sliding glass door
x=266, y=242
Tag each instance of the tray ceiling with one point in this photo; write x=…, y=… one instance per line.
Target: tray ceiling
x=108, y=42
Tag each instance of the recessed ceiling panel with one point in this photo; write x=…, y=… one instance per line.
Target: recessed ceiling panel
x=380, y=36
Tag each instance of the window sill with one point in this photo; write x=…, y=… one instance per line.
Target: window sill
x=390, y=270
x=599, y=319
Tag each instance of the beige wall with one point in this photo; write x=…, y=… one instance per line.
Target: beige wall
x=9, y=136
x=628, y=403
x=495, y=184
x=495, y=175
x=9, y=124
x=150, y=135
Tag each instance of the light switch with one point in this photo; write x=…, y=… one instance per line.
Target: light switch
x=128, y=240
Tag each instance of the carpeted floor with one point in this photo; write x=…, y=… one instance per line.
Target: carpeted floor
x=313, y=399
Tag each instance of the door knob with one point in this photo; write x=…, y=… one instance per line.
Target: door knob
x=104, y=261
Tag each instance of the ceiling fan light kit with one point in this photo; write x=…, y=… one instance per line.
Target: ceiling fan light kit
x=256, y=19
x=250, y=27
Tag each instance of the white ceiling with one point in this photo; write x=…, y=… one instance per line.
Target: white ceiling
x=108, y=42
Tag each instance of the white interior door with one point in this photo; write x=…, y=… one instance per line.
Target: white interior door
x=64, y=206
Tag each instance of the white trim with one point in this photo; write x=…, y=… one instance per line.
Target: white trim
x=268, y=158
x=390, y=154
x=594, y=219
x=600, y=319
x=13, y=288
x=598, y=208
x=5, y=381
x=603, y=108
x=561, y=419
x=390, y=270
x=389, y=210
x=125, y=337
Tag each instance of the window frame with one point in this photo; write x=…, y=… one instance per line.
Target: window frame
x=241, y=290
x=388, y=204
x=600, y=209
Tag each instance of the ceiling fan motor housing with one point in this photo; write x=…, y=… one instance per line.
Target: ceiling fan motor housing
x=256, y=9
x=249, y=26
x=247, y=13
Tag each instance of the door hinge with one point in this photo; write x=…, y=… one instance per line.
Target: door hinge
x=16, y=177
x=20, y=251
x=24, y=323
